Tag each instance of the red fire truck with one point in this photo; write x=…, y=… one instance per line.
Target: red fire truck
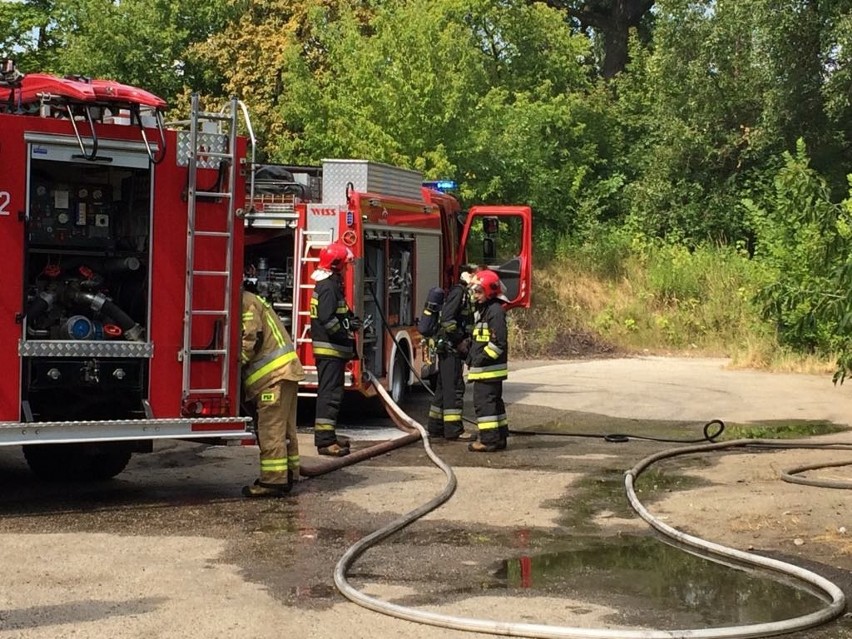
x=121, y=239
x=406, y=238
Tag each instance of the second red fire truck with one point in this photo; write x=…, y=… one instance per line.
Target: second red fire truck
x=406, y=238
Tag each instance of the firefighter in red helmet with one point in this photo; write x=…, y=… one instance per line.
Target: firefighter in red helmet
x=488, y=362
x=332, y=333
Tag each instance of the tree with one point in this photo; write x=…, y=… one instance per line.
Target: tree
x=138, y=42
x=708, y=110
x=612, y=19
x=28, y=33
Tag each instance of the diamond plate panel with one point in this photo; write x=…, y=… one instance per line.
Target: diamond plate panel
x=214, y=142
x=71, y=348
x=368, y=177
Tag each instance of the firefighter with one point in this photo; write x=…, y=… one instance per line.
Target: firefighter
x=451, y=345
x=488, y=362
x=271, y=374
x=332, y=332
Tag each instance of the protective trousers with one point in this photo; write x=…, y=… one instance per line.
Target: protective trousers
x=330, y=372
x=491, y=418
x=276, y=433
x=445, y=412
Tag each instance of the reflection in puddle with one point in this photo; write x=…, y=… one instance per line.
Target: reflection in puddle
x=663, y=578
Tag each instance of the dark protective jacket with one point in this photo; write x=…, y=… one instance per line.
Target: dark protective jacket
x=489, y=350
x=330, y=315
x=268, y=355
x=456, y=315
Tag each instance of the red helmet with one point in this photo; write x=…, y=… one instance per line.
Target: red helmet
x=334, y=257
x=490, y=283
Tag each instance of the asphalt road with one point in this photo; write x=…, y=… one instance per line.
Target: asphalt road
x=169, y=549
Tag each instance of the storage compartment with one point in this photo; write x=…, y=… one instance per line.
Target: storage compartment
x=87, y=252
x=85, y=352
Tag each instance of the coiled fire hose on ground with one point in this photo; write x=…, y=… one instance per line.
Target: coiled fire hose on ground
x=834, y=596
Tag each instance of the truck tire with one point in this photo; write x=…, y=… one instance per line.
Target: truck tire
x=77, y=462
x=399, y=385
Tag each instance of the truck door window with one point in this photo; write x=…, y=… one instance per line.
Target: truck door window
x=497, y=242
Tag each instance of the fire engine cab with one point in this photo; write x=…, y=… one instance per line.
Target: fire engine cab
x=406, y=238
x=120, y=240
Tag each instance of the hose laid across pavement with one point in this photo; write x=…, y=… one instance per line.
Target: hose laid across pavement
x=835, y=596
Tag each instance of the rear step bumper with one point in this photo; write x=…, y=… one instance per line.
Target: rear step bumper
x=17, y=433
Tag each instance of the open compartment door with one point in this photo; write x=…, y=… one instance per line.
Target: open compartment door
x=500, y=237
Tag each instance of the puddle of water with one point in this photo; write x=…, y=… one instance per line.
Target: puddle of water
x=658, y=580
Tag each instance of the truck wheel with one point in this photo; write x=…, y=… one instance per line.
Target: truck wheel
x=106, y=464
x=45, y=461
x=399, y=386
x=77, y=462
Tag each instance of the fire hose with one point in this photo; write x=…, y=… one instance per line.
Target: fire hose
x=832, y=594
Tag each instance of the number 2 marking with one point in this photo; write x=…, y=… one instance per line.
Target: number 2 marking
x=5, y=199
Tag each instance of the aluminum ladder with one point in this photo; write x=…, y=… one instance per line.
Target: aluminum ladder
x=220, y=348
x=306, y=241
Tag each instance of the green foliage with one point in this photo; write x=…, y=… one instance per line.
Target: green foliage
x=800, y=239
x=707, y=110
x=134, y=41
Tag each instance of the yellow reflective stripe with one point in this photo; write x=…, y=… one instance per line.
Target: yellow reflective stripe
x=274, y=464
x=491, y=352
x=488, y=372
x=486, y=425
x=452, y=418
x=271, y=366
x=435, y=412
x=331, y=350
x=323, y=427
x=488, y=375
x=274, y=328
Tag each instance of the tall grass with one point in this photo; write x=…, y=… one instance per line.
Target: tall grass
x=655, y=299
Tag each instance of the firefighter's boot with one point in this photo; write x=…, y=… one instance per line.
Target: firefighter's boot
x=260, y=490
x=335, y=450
x=503, y=433
x=479, y=447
